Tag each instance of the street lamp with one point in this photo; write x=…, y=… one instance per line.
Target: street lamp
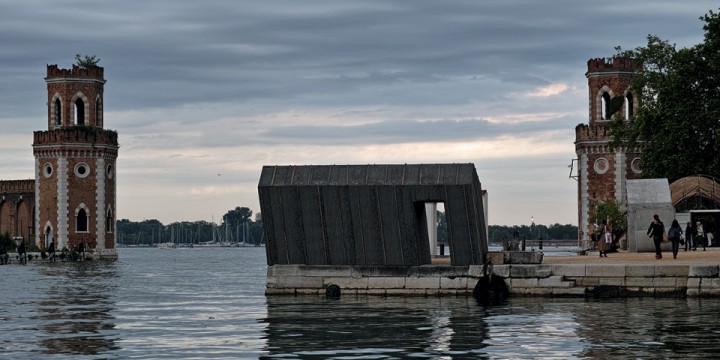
x=532, y=228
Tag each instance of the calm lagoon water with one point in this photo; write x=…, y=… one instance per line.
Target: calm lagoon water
x=210, y=304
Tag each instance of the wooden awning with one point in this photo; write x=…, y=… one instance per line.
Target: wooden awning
x=694, y=186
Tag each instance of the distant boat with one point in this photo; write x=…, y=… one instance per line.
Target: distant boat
x=166, y=245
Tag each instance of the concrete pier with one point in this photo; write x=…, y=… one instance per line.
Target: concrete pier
x=693, y=274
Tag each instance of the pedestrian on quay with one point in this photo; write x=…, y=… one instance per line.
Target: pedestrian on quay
x=699, y=235
x=608, y=239
x=602, y=246
x=656, y=232
x=674, y=236
x=689, y=236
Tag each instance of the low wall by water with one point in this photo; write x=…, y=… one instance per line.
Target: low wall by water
x=104, y=254
x=554, y=280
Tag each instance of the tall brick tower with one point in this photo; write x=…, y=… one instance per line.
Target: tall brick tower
x=602, y=171
x=75, y=159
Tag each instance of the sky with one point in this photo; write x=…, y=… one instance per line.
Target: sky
x=204, y=93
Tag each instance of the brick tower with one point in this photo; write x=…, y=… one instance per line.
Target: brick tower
x=75, y=165
x=602, y=171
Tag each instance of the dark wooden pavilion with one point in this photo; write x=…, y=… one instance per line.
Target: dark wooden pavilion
x=369, y=214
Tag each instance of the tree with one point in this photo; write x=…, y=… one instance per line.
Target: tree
x=6, y=241
x=238, y=215
x=609, y=211
x=679, y=92
x=87, y=61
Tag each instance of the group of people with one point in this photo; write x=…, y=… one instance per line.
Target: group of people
x=694, y=236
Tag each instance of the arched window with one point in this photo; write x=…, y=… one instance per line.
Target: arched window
x=629, y=106
x=81, y=221
x=98, y=113
x=57, y=111
x=605, y=106
x=109, y=221
x=79, y=112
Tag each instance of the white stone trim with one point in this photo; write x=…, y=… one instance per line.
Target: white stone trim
x=62, y=202
x=74, y=80
x=620, y=177
x=45, y=170
x=54, y=123
x=86, y=106
x=114, y=206
x=598, y=102
x=584, y=198
x=37, y=200
x=82, y=165
x=601, y=166
x=100, y=212
x=99, y=116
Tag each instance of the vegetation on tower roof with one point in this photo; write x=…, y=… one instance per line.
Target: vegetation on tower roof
x=86, y=61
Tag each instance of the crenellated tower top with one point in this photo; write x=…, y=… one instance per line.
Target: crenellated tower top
x=614, y=64
x=75, y=96
x=91, y=73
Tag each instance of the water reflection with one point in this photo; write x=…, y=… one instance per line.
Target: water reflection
x=522, y=328
x=76, y=314
x=374, y=326
x=648, y=327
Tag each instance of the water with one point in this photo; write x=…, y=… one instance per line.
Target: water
x=209, y=304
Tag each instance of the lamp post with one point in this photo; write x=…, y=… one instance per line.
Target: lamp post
x=532, y=228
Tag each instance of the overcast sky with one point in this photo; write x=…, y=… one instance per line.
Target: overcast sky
x=204, y=93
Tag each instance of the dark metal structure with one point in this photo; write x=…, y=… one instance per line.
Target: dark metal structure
x=369, y=214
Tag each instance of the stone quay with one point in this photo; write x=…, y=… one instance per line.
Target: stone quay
x=622, y=274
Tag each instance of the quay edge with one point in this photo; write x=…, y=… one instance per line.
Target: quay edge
x=543, y=280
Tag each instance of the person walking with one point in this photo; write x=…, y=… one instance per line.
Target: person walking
x=602, y=246
x=689, y=235
x=674, y=236
x=699, y=235
x=656, y=232
x=608, y=239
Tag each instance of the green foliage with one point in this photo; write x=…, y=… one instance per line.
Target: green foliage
x=554, y=232
x=616, y=103
x=611, y=212
x=680, y=95
x=239, y=215
x=149, y=232
x=86, y=61
x=30, y=246
x=6, y=241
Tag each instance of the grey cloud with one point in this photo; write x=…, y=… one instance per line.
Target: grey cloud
x=395, y=132
x=157, y=55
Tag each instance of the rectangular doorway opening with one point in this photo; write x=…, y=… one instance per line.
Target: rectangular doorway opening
x=437, y=229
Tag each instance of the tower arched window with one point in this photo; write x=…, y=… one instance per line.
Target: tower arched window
x=98, y=113
x=605, y=106
x=109, y=221
x=629, y=106
x=79, y=112
x=81, y=221
x=57, y=111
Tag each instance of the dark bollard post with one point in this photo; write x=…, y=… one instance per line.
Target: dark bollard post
x=523, y=244
x=540, y=246
x=442, y=249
